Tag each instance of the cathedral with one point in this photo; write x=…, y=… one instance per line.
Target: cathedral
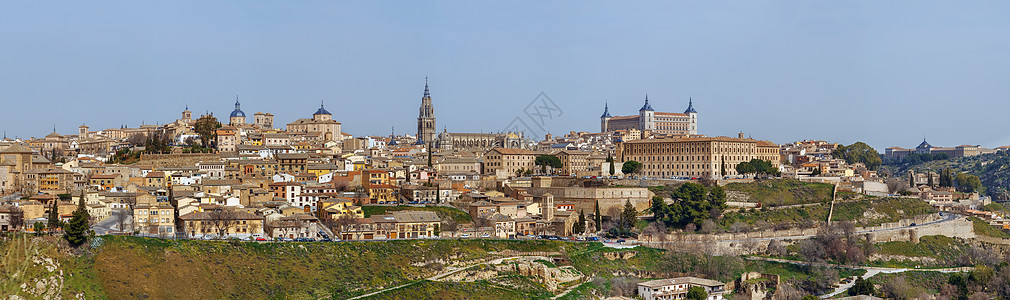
x=426, y=118
x=459, y=141
x=662, y=123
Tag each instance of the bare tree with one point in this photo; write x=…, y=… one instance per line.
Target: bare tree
x=17, y=218
x=138, y=139
x=121, y=215
x=222, y=220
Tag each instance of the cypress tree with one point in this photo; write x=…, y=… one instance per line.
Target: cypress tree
x=54, y=216
x=78, y=227
x=598, y=218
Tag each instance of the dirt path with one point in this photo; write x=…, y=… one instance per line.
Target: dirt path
x=870, y=271
x=450, y=271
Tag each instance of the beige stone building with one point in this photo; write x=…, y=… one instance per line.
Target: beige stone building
x=701, y=157
x=231, y=223
x=661, y=123
x=322, y=122
x=573, y=162
x=154, y=219
x=507, y=162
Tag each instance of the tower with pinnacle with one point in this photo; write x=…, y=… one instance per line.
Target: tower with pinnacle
x=426, y=118
x=692, y=115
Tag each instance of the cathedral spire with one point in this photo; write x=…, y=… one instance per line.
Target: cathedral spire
x=606, y=110
x=426, y=93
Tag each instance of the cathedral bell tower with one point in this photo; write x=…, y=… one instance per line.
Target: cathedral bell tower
x=426, y=118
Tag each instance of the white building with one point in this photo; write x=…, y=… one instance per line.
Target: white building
x=677, y=288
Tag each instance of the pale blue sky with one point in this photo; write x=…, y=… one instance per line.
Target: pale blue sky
x=885, y=72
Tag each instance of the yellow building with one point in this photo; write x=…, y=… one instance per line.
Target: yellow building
x=154, y=219
x=702, y=157
x=222, y=223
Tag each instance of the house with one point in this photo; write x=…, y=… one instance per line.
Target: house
x=676, y=288
x=11, y=218
x=296, y=226
x=154, y=219
x=504, y=226
x=407, y=225
x=222, y=223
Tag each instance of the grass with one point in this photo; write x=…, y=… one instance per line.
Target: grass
x=881, y=210
x=982, y=227
x=442, y=211
x=131, y=267
x=944, y=249
x=884, y=210
x=451, y=290
x=779, y=192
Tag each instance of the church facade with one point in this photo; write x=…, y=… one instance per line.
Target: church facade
x=661, y=123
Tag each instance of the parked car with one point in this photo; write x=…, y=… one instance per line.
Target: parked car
x=913, y=224
x=284, y=239
x=261, y=239
x=620, y=241
x=485, y=235
x=465, y=235
x=325, y=240
x=594, y=238
x=209, y=237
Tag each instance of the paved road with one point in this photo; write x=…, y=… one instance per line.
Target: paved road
x=111, y=224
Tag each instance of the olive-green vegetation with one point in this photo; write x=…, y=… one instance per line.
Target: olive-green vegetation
x=859, y=152
x=992, y=171
x=135, y=267
x=981, y=227
x=779, y=192
x=442, y=211
x=882, y=210
x=757, y=167
x=451, y=290
x=693, y=204
x=944, y=249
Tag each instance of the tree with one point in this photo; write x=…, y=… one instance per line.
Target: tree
x=968, y=183
x=598, y=217
x=631, y=167
x=629, y=216
x=206, y=127
x=722, y=167
x=610, y=159
x=222, y=220
x=862, y=287
x=745, y=168
x=696, y=293
x=39, y=227
x=859, y=152
x=545, y=161
x=580, y=227
x=54, y=216
x=78, y=227
x=929, y=178
x=717, y=196
x=17, y=217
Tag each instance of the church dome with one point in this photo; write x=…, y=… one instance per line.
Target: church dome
x=321, y=110
x=238, y=110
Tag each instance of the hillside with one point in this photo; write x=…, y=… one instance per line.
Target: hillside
x=118, y=267
x=779, y=192
x=992, y=169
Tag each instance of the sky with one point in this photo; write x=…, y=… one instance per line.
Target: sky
x=884, y=72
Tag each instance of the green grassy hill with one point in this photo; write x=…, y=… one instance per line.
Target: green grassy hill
x=779, y=192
